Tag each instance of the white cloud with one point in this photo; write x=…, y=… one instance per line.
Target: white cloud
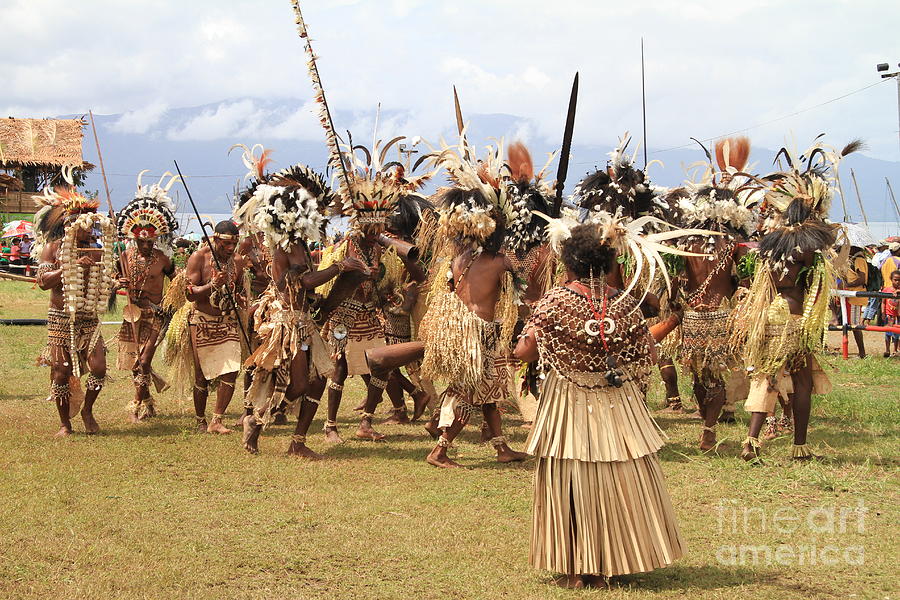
x=227, y=121
x=140, y=121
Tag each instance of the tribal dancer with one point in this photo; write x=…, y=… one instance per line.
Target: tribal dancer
x=357, y=324
x=80, y=278
x=474, y=308
x=399, y=320
x=783, y=320
x=532, y=261
x=625, y=190
x=212, y=322
x=149, y=223
x=291, y=359
x=717, y=204
x=601, y=507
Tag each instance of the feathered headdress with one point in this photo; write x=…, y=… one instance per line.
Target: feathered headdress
x=288, y=207
x=798, y=200
x=376, y=184
x=621, y=188
x=151, y=215
x=723, y=198
x=478, y=205
x=626, y=236
x=809, y=178
x=527, y=192
x=56, y=204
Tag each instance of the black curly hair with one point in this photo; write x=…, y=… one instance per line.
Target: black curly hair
x=584, y=253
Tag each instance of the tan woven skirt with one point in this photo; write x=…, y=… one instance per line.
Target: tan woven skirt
x=602, y=518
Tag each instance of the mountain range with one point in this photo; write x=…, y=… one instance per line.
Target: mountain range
x=199, y=138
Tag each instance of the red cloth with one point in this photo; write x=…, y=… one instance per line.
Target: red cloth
x=891, y=307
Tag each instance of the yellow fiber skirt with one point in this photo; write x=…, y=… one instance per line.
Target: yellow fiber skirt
x=602, y=518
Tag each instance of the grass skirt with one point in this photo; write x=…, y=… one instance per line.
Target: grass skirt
x=602, y=518
x=600, y=500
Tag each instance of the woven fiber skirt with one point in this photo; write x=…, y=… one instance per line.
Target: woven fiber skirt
x=602, y=518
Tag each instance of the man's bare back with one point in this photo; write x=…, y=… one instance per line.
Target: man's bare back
x=479, y=288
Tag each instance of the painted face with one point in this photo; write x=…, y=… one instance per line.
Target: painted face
x=225, y=248
x=144, y=246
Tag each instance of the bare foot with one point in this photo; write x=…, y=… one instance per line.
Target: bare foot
x=90, y=424
x=505, y=454
x=202, y=425
x=398, y=417
x=727, y=417
x=64, y=431
x=133, y=418
x=675, y=408
x=150, y=411
x=596, y=581
x=420, y=403
x=301, y=451
x=365, y=431
x=361, y=407
x=440, y=459
x=570, y=582
x=252, y=429
x=332, y=437
x=707, y=441
x=280, y=418
x=750, y=454
x=216, y=426
x=240, y=421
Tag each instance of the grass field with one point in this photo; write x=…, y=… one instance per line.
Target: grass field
x=157, y=511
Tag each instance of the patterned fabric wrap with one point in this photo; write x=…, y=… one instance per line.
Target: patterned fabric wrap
x=148, y=327
x=216, y=343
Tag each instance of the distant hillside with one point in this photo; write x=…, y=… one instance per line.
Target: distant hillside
x=199, y=137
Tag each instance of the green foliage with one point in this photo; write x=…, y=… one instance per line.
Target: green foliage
x=746, y=266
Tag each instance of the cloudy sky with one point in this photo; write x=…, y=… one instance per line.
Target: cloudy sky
x=713, y=67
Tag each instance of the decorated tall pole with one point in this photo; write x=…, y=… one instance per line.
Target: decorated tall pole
x=335, y=158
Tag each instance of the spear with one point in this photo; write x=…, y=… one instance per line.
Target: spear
x=231, y=301
x=459, y=119
x=563, y=168
x=336, y=158
x=129, y=313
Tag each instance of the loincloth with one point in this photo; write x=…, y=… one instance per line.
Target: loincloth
x=148, y=327
x=64, y=333
x=282, y=335
x=706, y=347
x=216, y=343
x=479, y=372
x=353, y=328
x=765, y=389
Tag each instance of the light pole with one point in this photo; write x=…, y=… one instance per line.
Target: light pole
x=882, y=68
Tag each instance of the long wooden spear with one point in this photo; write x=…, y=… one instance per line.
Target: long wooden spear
x=336, y=158
x=212, y=251
x=112, y=214
x=130, y=313
x=563, y=168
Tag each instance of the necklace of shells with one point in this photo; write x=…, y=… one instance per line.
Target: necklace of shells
x=86, y=288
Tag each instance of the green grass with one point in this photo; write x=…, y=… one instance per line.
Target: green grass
x=157, y=511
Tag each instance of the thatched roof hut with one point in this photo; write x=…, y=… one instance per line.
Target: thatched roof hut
x=43, y=143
